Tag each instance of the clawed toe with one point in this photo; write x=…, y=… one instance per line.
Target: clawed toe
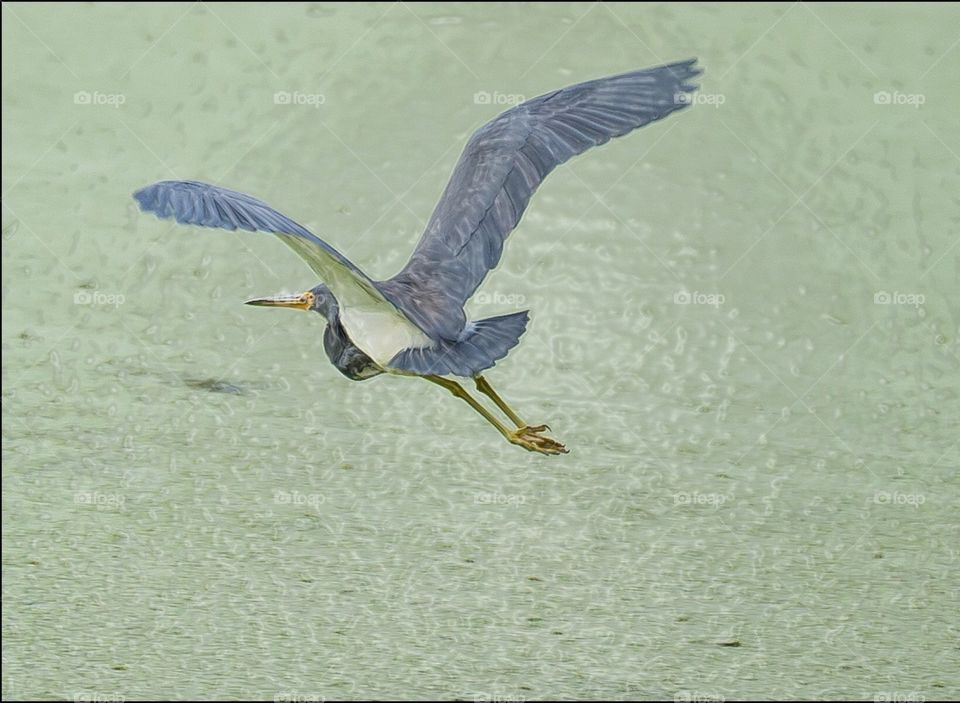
x=530, y=439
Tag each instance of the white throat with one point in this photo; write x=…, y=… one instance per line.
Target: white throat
x=381, y=334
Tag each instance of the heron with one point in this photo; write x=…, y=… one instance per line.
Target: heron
x=414, y=323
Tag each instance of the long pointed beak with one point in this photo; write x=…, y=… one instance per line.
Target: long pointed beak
x=300, y=302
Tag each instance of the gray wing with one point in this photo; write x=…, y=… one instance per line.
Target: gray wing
x=195, y=203
x=502, y=165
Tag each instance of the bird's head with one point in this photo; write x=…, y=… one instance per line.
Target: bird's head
x=319, y=299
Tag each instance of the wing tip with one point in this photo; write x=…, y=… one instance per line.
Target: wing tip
x=683, y=71
x=672, y=77
x=196, y=203
x=143, y=196
x=688, y=65
x=149, y=197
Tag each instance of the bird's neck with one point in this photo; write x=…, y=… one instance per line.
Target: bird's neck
x=345, y=355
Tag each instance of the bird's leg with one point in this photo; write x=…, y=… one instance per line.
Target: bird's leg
x=487, y=390
x=522, y=436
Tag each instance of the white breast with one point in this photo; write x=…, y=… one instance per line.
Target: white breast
x=381, y=334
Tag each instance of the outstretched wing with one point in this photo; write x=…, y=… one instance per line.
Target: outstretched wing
x=195, y=203
x=502, y=165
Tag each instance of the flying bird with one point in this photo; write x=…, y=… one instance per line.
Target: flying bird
x=414, y=323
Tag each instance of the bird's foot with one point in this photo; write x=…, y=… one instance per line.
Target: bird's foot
x=530, y=439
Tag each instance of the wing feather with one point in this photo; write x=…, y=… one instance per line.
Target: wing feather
x=206, y=205
x=501, y=167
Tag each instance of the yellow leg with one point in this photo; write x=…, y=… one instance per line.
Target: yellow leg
x=488, y=391
x=525, y=437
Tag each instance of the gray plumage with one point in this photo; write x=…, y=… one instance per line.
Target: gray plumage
x=501, y=167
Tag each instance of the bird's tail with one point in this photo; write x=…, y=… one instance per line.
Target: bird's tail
x=479, y=347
